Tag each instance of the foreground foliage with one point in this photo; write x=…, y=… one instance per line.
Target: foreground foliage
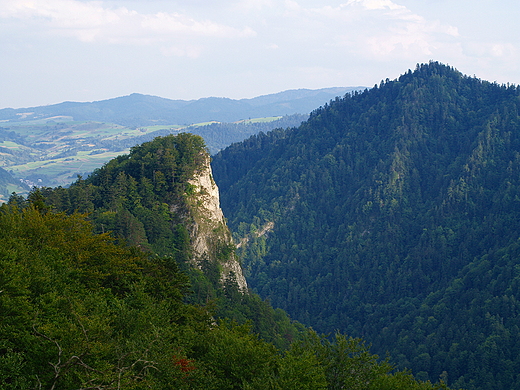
x=78, y=311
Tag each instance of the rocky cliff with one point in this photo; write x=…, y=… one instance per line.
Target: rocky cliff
x=161, y=198
x=209, y=233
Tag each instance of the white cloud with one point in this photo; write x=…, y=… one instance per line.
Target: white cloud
x=61, y=13
x=381, y=29
x=254, y=4
x=377, y=4
x=491, y=50
x=171, y=23
x=503, y=50
x=91, y=21
x=292, y=5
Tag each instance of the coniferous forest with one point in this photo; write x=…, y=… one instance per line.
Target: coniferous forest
x=393, y=215
x=99, y=289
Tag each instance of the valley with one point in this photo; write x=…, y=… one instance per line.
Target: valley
x=52, y=145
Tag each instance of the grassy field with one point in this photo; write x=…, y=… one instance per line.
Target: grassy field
x=162, y=127
x=63, y=171
x=58, y=149
x=262, y=120
x=53, y=151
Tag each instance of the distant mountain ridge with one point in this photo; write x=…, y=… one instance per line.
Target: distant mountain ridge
x=51, y=145
x=142, y=110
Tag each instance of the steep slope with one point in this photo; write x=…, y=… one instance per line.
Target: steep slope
x=209, y=233
x=394, y=217
x=162, y=198
x=79, y=312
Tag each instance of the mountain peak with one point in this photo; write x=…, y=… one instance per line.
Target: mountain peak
x=394, y=219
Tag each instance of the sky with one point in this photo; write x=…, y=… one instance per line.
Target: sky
x=75, y=50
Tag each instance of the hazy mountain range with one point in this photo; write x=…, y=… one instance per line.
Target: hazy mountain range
x=51, y=145
x=144, y=110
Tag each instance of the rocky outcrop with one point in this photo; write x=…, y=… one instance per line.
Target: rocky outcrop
x=210, y=235
x=259, y=233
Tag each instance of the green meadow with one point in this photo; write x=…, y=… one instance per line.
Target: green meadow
x=54, y=151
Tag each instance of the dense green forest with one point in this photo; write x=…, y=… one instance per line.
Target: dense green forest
x=145, y=200
x=392, y=214
x=82, y=308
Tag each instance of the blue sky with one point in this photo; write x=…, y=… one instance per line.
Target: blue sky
x=75, y=50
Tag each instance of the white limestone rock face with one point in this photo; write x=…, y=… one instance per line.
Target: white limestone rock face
x=210, y=235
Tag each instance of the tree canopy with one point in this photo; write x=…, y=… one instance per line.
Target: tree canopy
x=80, y=311
x=391, y=214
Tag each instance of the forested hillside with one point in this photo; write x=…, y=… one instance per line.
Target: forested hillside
x=392, y=214
x=150, y=306
x=150, y=199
